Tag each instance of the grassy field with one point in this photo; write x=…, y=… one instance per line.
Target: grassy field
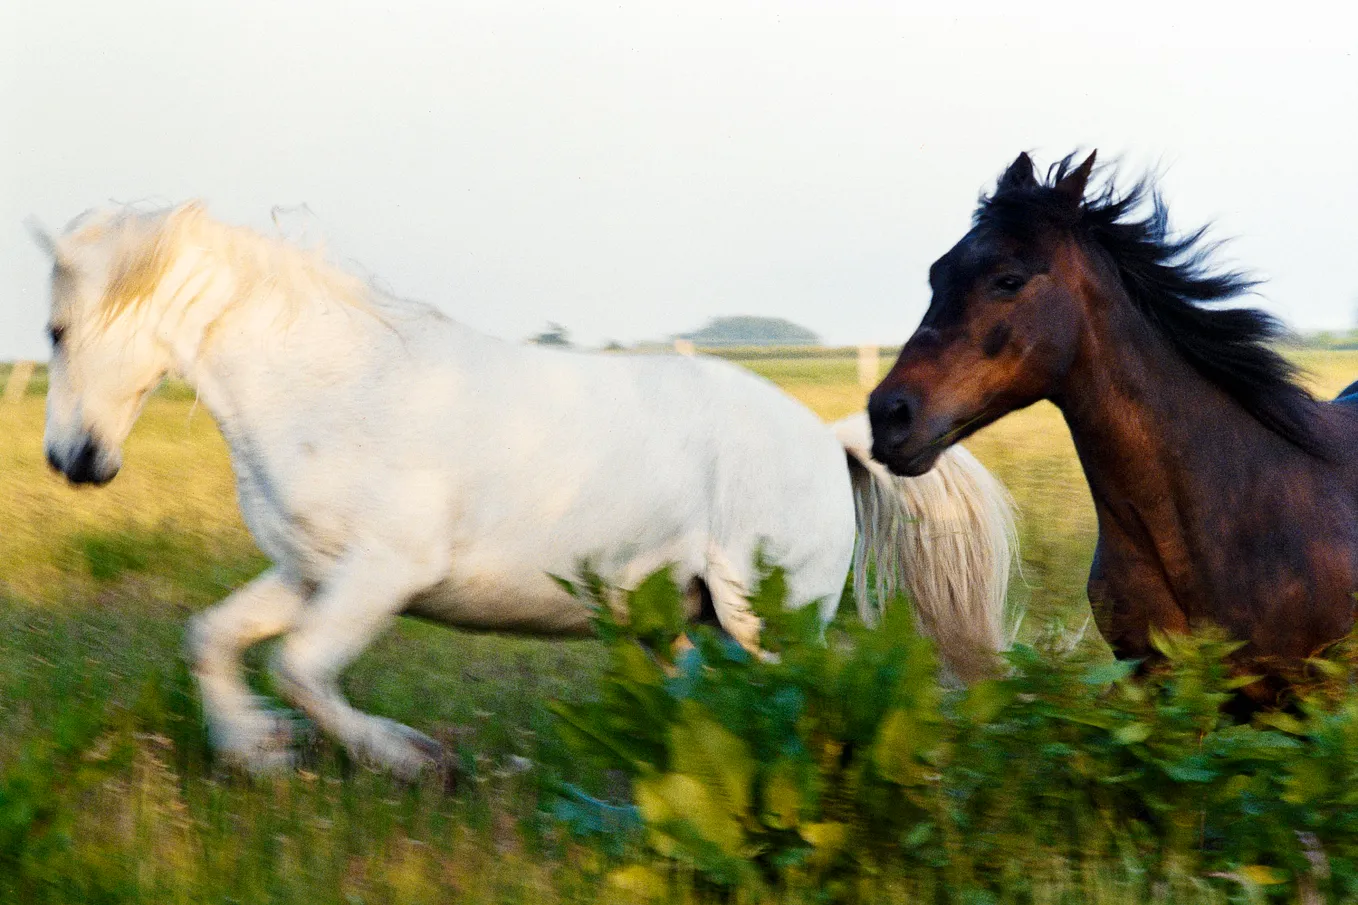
x=95, y=586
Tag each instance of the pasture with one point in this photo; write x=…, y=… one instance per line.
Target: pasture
x=95, y=587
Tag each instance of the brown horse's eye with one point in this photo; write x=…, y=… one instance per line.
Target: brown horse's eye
x=55, y=333
x=1009, y=283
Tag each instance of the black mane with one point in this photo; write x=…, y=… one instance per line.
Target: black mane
x=1171, y=280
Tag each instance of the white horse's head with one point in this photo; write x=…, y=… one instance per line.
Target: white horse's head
x=106, y=355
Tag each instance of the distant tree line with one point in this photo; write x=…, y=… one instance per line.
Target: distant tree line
x=746, y=330
x=743, y=330
x=1330, y=339
x=554, y=335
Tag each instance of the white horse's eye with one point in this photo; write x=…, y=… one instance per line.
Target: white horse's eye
x=55, y=333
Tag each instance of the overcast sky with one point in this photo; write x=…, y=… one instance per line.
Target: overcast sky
x=630, y=171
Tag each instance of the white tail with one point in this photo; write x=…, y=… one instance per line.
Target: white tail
x=947, y=538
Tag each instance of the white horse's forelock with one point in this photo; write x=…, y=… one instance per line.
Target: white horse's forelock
x=147, y=243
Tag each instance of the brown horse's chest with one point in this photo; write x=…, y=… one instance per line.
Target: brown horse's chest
x=1287, y=586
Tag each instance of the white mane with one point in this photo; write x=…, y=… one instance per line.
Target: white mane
x=185, y=250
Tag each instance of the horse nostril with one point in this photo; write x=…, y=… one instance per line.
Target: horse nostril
x=900, y=410
x=81, y=469
x=890, y=412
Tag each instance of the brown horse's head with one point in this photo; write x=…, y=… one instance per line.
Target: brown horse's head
x=1001, y=329
x=1047, y=282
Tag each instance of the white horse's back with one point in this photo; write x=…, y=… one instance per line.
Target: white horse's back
x=628, y=462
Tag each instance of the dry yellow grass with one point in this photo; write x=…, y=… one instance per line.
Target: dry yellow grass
x=177, y=482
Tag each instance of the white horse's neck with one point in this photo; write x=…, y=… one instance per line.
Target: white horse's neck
x=240, y=315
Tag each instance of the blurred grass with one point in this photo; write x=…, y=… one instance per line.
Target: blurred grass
x=95, y=586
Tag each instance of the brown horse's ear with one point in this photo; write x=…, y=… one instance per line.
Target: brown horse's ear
x=1072, y=185
x=1020, y=174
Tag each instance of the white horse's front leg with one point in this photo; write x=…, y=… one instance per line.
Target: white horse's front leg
x=240, y=728
x=351, y=608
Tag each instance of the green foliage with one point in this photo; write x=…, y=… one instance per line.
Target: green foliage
x=841, y=759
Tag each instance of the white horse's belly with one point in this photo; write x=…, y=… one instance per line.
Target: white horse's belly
x=503, y=585
x=501, y=606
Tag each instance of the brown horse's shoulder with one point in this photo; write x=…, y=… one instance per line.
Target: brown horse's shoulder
x=1128, y=594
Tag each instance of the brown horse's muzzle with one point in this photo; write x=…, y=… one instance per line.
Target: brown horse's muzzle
x=900, y=439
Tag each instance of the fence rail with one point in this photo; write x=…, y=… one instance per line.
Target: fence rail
x=16, y=384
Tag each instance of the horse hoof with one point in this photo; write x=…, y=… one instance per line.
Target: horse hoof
x=261, y=743
x=428, y=748
x=259, y=761
x=407, y=753
x=272, y=762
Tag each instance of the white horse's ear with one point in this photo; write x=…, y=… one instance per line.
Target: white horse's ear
x=45, y=240
x=298, y=224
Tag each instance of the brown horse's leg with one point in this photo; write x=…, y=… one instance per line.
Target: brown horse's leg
x=1124, y=628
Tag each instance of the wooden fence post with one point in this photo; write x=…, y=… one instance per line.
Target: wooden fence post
x=17, y=385
x=868, y=367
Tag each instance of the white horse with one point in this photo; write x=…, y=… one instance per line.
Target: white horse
x=391, y=461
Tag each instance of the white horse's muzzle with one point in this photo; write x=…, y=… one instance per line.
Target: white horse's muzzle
x=87, y=463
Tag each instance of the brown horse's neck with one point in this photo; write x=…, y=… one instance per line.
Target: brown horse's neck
x=1164, y=450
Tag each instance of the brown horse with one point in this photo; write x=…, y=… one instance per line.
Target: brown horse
x=1225, y=492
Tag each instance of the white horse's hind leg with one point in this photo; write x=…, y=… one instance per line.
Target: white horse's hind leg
x=348, y=612
x=729, y=598
x=240, y=728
